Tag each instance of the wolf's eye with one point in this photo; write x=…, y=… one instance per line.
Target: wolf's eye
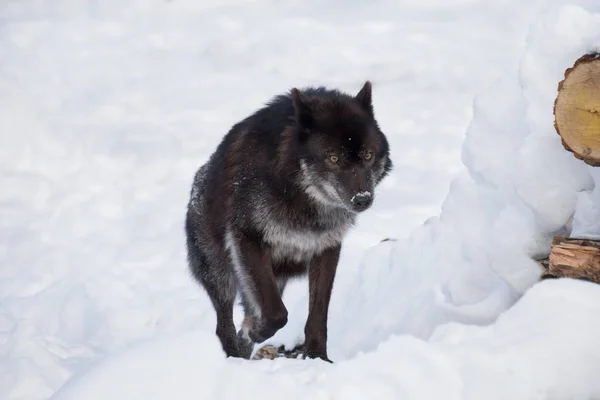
x=334, y=159
x=368, y=156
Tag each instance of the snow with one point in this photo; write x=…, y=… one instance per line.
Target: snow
x=365, y=193
x=505, y=360
x=108, y=108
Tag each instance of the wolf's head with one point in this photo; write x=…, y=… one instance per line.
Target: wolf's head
x=342, y=152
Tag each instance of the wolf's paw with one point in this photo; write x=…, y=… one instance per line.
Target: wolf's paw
x=244, y=344
x=316, y=355
x=316, y=349
x=265, y=328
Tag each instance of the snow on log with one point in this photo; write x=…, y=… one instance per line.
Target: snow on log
x=573, y=258
x=577, y=109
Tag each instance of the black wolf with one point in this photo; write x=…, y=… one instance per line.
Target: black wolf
x=274, y=202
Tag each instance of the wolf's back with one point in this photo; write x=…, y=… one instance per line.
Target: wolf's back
x=198, y=188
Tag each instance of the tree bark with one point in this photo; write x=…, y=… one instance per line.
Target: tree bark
x=573, y=258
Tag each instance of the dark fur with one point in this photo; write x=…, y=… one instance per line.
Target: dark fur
x=270, y=205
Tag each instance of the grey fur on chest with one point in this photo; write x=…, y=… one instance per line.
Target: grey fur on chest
x=301, y=243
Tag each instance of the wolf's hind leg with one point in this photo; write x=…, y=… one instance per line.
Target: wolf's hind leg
x=226, y=328
x=219, y=283
x=222, y=295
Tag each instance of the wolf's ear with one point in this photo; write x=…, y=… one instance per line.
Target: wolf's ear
x=364, y=98
x=302, y=109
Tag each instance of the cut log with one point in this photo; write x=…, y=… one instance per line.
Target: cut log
x=573, y=258
x=577, y=109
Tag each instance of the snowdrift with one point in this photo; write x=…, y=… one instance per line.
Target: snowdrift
x=455, y=311
x=537, y=350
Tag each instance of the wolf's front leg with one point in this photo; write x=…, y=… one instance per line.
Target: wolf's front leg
x=265, y=311
x=321, y=274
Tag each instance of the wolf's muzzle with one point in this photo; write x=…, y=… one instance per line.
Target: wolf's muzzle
x=361, y=201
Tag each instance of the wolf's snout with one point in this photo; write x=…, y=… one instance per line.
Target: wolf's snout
x=361, y=201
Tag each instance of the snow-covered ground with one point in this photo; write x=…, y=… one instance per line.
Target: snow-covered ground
x=108, y=107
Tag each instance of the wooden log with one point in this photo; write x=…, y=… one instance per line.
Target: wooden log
x=574, y=258
x=577, y=109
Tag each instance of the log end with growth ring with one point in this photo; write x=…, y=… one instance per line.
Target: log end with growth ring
x=577, y=109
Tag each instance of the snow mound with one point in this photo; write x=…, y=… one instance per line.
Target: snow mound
x=520, y=188
x=537, y=349
x=454, y=311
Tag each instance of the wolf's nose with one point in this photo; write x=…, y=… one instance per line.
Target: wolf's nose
x=361, y=201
